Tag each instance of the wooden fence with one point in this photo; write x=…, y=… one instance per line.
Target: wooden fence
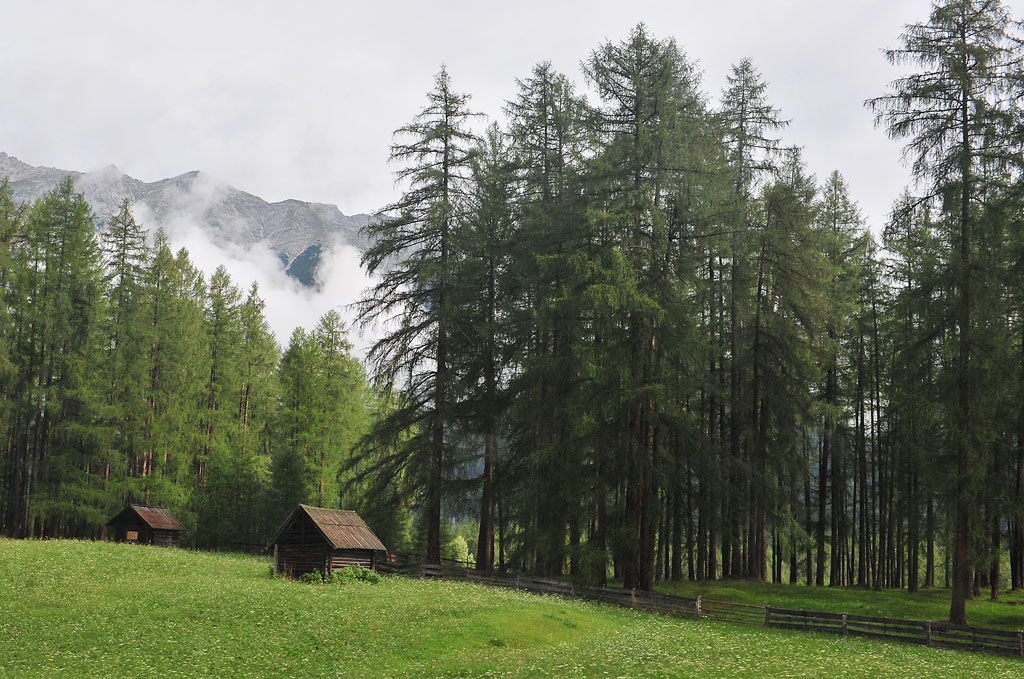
x=927, y=633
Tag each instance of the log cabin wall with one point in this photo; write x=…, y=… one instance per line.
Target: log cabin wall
x=301, y=549
x=166, y=538
x=138, y=533
x=342, y=558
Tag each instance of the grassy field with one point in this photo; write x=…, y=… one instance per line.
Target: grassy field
x=928, y=604
x=78, y=609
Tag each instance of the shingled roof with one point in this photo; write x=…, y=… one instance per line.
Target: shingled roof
x=343, y=529
x=157, y=518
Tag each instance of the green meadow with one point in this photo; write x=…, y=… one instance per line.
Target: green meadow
x=81, y=609
x=1007, y=612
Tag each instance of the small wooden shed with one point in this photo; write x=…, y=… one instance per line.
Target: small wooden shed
x=317, y=539
x=146, y=525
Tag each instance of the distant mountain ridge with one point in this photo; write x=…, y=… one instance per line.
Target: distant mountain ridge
x=296, y=231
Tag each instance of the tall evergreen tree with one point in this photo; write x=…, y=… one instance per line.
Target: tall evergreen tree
x=484, y=340
x=547, y=249
x=124, y=247
x=416, y=249
x=178, y=364
x=749, y=123
x=954, y=112
x=58, y=389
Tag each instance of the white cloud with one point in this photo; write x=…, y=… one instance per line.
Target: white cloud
x=289, y=304
x=300, y=100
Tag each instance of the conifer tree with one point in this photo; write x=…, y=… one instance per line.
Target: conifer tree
x=786, y=272
x=294, y=428
x=221, y=430
x=646, y=85
x=954, y=112
x=125, y=362
x=839, y=227
x=416, y=250
x=546, y=251
x=13, y=470
x=748, y=122
x=257, y=398
x=482, y=340
x=177, y=359
x=59, y=391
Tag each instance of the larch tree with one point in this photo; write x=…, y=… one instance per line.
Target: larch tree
x=415, y=251
x=954, y=111
x=123, y=243
x=483, y=335
x=749, y=123
x=59, y=391
x=546, y=249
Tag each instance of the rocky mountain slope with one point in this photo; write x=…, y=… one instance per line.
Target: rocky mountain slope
x=295, y=230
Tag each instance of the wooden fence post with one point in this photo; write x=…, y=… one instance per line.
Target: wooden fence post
x=928, y=632
x=698, y=608
x=632, y=596
x=517, y=580
x=767, y=615
x=844, y=625
x=1020, y=643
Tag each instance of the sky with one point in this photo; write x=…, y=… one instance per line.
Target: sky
x=299, y=100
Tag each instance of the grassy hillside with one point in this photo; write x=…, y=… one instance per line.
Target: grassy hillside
x=928, y=604
x=78, y=609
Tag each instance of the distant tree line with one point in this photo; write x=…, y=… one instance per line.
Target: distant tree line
x=647, y=343
x=127, y=376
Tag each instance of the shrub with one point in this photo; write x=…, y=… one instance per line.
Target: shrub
x=356, y=574
x=342, y=577
x=313, y=577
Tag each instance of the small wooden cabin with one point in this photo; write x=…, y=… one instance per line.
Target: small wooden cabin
x=316, y=539
x=146, y=525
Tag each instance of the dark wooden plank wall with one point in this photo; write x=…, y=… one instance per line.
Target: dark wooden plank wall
x=147, y=536
x=342, y=558
x=166, y=538
x=145, y=533
x=301, y=549
x=294, y=561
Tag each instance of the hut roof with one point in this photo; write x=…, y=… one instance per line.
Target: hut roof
x=157, y=518
x=342, y=529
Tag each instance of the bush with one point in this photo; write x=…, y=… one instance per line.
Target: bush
x=342, y=577
x=355, y=574
x=313, y=577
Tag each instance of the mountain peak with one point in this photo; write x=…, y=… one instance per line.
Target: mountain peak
x=108, y=173
x=292, y=229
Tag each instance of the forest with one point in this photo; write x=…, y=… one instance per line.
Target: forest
x=632, y=337
x=128, y=377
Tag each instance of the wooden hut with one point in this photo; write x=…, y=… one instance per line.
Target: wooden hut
x=316, y=539
x=146, y=525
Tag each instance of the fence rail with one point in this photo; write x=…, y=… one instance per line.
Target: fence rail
x=926, y=632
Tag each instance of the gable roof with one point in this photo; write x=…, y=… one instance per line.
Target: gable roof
x=341, y=528
x=158, y=518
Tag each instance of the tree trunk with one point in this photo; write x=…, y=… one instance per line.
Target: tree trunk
x=963, y=499
x=485, y=539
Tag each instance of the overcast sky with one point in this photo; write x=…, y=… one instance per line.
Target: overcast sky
x=299, y=100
